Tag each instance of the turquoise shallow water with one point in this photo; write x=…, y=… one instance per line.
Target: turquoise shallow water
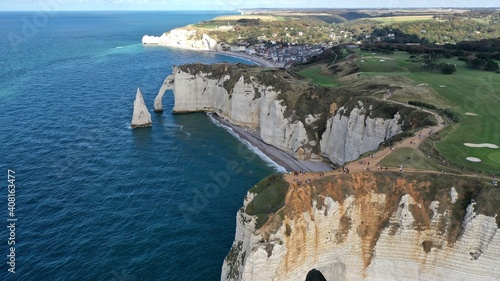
x=96, y=200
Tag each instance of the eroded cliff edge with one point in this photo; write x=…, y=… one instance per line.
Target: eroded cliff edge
x=306, y=121
x=368, y=226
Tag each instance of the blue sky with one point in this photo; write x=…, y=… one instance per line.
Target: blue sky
x=228, y=4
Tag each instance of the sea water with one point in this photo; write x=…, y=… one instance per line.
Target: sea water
x=94, y=199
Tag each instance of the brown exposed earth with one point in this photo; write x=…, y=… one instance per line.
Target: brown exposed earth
x=362, y=178
x=377, y=196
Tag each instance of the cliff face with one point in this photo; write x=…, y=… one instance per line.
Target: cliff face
x=347, y=137
x=182, y=38
x=246, y=103
x=305, y=121
x=369, y=226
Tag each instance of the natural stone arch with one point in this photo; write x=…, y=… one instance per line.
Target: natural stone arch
x=335, y=271
x=315, y=275
x=167, y=84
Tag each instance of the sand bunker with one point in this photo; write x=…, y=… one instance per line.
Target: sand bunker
x=488, y=145
x=470, y=114
x=473, y=159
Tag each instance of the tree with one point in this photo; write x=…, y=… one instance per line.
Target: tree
x=482, y=64
x=491, y=65
x=447, y=68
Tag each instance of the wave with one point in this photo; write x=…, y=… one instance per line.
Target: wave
x=180, y=127
x=255, y=150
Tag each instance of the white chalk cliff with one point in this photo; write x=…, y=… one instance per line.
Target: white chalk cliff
x=258, y=107
x=368, y=235
x=182, y=38
x=347, y=137
x=141, y=116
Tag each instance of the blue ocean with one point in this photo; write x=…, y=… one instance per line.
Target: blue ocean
x=95, y=199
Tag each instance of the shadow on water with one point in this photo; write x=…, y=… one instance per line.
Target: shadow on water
x=142, y=137
x=158, y=119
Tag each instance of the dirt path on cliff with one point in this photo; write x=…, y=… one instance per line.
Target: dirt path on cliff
x=371, y=162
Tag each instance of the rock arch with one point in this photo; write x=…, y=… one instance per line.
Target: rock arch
x=315, y=275
x=167, y=84
x=335, y=271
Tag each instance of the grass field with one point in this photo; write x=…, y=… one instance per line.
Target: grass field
x=409, y=158
x=213, y=24
x=237, y=17
x=397, y=62
x=475, y=92
x=233, y=21
x=318, y=74
x=469, y=91
x=270, y=194
x=387, y=20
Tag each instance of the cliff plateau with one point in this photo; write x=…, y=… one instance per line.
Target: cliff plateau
x=303, y=120
x=368, y=226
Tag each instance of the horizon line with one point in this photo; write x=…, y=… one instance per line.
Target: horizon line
x=243, y=9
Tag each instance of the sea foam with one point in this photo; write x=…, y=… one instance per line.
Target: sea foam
x=259, y=153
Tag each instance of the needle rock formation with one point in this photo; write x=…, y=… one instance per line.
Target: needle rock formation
x=141, y=117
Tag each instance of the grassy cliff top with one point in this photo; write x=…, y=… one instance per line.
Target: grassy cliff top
x=470, y=95
x=281, y=81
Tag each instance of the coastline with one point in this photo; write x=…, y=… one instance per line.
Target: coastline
x=157, y=41
x=176, y=46
x=278, y=156
x=255, y=59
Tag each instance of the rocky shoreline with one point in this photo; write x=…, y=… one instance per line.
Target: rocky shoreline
x=278, y=156
x=255, y=59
